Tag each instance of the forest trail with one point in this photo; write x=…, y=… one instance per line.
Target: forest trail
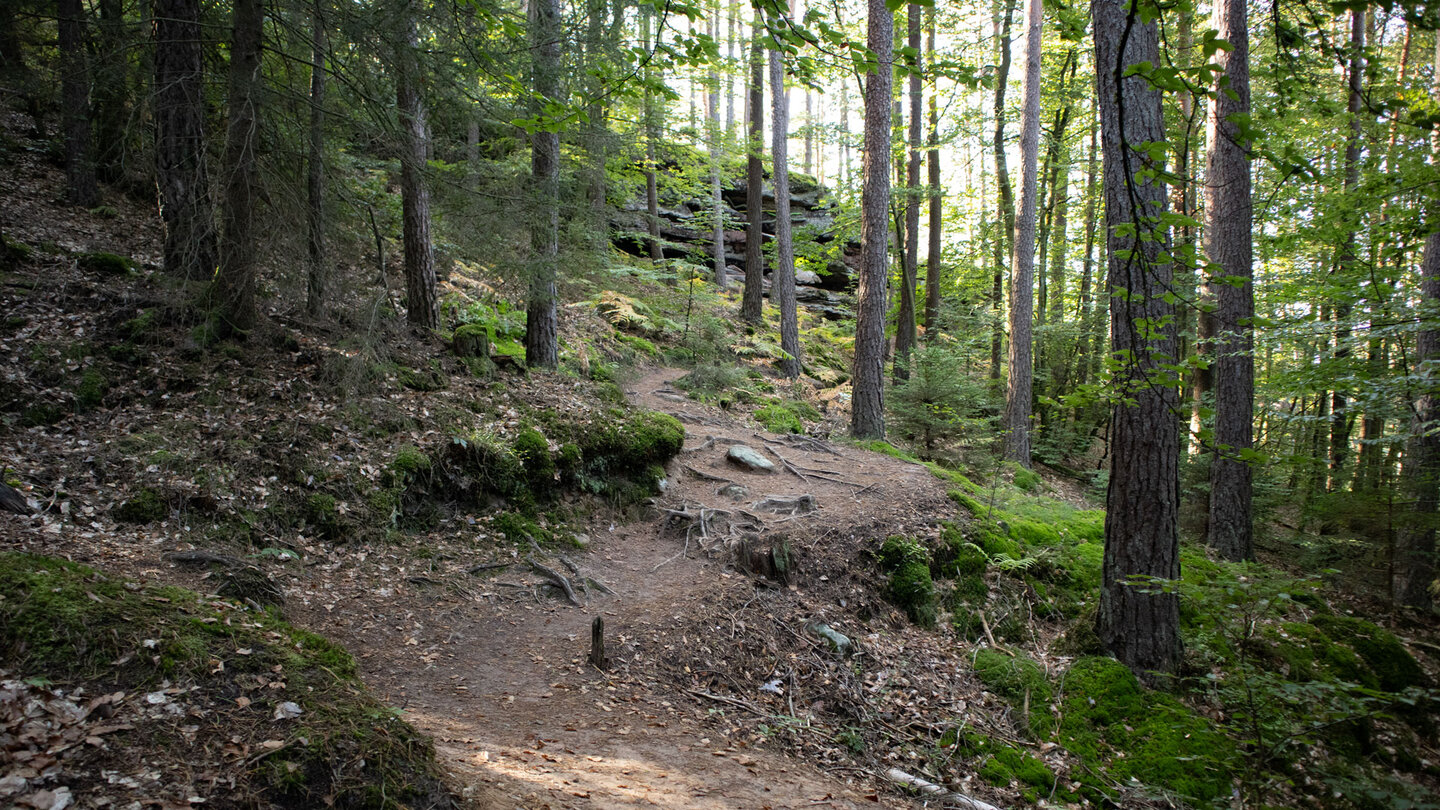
x=504, y=686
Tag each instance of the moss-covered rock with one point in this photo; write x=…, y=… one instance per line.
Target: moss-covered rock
x=910, y=585
x=471, y=340
x=106, y=264
x=533, y=450
x=409, y=464
x=147, y=506
x=779, y=418
x=1394, y=667
x=91, y=390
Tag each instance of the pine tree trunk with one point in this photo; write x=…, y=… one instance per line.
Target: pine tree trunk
x=1006, y=211
x=932, y=263
x=1139, y=626
x=714, y=136
x=1086, y=311
x=1347, y=260
x=112, y=93
x=235, y=281
x=867, y=410
x=752, y=303
x=80, y=186
x=316, y=293
x=186, y=205
x=1228, y=245
x=905, y=329
x=1413, y=567
x=1018, y=389
x=542, y=348
x=421, y=308
x=782, y=282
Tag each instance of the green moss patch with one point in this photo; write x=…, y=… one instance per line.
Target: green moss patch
x=106, y=264
x=1023, y=684
x=779, y=418
x=147, y=506
x=1395, y=669
x=1117, y=727
x=910, y=585
x=73, y=626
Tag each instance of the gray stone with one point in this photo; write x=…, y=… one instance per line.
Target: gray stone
x=734, y=492
x=749, y=458
x=839, y=642
x=807, y=278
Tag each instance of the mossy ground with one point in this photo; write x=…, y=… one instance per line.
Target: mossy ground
x=75, y=626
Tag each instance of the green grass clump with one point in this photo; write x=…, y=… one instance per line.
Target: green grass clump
x=910, y=586
x=1113, y=725
x=777, y=417
x=146, y=507
x=74, y=626
x=1021, y=682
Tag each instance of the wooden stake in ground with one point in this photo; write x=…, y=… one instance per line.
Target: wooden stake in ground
x=597, y=643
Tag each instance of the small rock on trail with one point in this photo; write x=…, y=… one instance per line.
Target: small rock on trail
x=750, y=459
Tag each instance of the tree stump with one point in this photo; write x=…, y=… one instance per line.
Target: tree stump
x=773, y=561
x=597, y=643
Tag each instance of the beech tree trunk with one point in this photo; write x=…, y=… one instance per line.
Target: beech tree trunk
x=542, y=347
x=421, y=308
x=1228, y=244
x=932, y=262
x=1022, y=277
x=235, y=281
x=782, y=282
x=181, y=171
x=1139, y=625
x=315, y=167
x=867, y=409
x=752, y=302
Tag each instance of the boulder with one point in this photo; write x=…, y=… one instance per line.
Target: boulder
x=749, y=458
x=807, y=278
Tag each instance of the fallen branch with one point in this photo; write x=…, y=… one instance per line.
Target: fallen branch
x=741, y=704
x=203, y=558
x=704, y=476
x=475, y=569
x=558, y=579
x=930, y=788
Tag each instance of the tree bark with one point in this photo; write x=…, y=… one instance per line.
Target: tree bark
x=112, y=93
x=316, y=292
x=932, y=263
x=186, y=205
x=867, y=410
x=1413, y=569
x=752, y=303
x=1139, y=625
x=1005, y=199
x=80, y=185
x=235, y=281
x=652, y=134
x=542, y=347
x=1086, y=311
x=1347, y=260
x=422, y=310
x=714, y=136
x=1228, y=244
x=782, y=282
x=905, y=328
x=1018, y=390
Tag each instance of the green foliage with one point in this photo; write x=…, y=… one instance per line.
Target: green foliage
x=90, y=393
x=323, y=515
x=147, y=506
x=718, y=383
x=1022, y=683
x=910, y=585
x=1026, y=480
x=777, y=417
x=533, y=450
x=940, y=403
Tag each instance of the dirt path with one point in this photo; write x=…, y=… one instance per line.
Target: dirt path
x=504, y=686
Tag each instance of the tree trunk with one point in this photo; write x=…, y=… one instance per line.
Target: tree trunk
x=752, y=303
x=1086, y=311
x=715, y=136
x=1227, y=244
x=315, y=168
x=542, y=348
x=1022, y=298
x=782, y=282
x=1140, y=626
x=905, y=329
x=421, y=308
x=235, y=281
x=1413, y=569
x=932, y=263
x=652, y=134
x=180, y=166
x=867, y=410
x=80, y=187
x=1005, y=200
x=112, y=94
x=1339, y=404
